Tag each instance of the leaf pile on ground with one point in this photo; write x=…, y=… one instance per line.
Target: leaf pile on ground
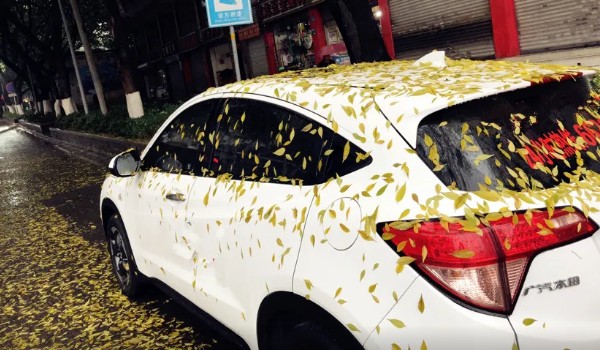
x=57, y=287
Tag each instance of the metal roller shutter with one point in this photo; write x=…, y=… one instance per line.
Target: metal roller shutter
x=557, y=24
x=258, y=57
x=462, y=28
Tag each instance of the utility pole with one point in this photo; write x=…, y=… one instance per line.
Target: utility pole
x=89, y=55
x=62, y=13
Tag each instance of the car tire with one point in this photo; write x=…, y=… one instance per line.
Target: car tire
x=307, y=335
x=121, y=257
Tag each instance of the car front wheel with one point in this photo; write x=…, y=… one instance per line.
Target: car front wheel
x=121, y=257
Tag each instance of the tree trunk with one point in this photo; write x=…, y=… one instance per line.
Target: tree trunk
x=63, y=86
x=359, y=29
x=89, y=57
x=120, y=30
x=18, y=84
x=44, y=98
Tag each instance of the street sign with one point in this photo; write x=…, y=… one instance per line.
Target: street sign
x=224, y=13
x=10, y=88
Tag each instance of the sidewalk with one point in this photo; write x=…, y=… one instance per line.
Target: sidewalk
x=92, y=148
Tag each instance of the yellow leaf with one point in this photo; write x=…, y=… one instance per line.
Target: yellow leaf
x=424, y=253
x=463, y=254
x=397, y=323
x=337, y=292
x=481, y=158
x=381, y=190
x=387, y=236
x=529, y=321
x=489, y=195
x=461, y=200
x=421, y=304
x=346, y=151
x=428, y=141
x=401, y=192
x=308, y=284
x=344, y=228
x=279, y=152
x=352, y=327
x=372, y=288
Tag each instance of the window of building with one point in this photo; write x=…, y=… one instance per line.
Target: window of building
x=184, y=147
x=168, y=27
x=153, y=35
x=186, y=17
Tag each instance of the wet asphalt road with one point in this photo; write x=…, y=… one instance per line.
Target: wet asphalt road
x=56, y=286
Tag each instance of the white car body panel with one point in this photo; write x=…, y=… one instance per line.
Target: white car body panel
x=160, y=221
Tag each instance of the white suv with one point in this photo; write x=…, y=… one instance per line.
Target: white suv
x=435, y=204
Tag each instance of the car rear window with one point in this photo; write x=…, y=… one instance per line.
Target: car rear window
x=532, y=138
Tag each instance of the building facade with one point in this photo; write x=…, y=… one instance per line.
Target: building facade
x=516, y=29
x=178, y=56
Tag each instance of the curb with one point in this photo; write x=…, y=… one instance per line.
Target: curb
x=93, y=148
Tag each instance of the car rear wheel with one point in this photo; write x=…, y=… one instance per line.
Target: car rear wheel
x=121, y=257
x=307, y=335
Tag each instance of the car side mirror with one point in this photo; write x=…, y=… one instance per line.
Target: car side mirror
x=125, y=164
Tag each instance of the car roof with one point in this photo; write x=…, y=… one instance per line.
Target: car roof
x=405, y=91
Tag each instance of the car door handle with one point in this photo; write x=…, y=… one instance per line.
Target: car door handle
x=175, y=196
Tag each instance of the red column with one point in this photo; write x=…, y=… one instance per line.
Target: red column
x=504, y=25
x=386, y=27
x=269, y=38
x=316, y=23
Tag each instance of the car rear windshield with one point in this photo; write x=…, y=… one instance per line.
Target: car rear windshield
x=532, y=138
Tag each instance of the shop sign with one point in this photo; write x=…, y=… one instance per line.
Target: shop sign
x=249, y=32
x=223, y=13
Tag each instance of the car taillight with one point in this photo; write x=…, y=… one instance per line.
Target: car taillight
x=485, y=269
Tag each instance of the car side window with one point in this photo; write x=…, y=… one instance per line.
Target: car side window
x=259, y=141
x=183, y=146
x=342, y=157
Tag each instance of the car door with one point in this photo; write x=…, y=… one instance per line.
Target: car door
x=168, y=169
x=246, y=218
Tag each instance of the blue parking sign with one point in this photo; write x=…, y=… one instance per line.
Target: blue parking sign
x=222, y=13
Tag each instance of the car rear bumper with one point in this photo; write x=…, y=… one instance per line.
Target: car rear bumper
x=559, y=304
x=442, y=324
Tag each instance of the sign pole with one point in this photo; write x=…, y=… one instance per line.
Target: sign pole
x=236, y=60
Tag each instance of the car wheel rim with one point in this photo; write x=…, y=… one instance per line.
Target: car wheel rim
x=120, y=257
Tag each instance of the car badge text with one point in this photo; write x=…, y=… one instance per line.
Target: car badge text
x=549, y=286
